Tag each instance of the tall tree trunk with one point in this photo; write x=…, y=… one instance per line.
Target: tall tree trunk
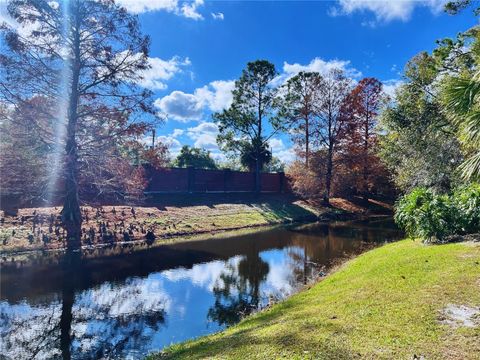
x=71, y=214
x=328, y=176
x=307, y=140
x=365, y=162
x=365, y=174
x=258, y=177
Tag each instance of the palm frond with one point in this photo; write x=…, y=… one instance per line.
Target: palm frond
x=461, y=94
x=462, y=102
x=470, y=168
x=471, y=128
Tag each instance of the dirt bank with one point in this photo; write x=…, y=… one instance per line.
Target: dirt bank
x=40, y=228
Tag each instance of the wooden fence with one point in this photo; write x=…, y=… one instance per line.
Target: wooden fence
x=191, y=180
x=172, y=181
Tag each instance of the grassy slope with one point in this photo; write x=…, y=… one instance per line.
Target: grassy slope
x=385, y=304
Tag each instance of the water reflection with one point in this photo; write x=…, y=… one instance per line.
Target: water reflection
x=237, y=289
x=102, y=322
x=129, y=305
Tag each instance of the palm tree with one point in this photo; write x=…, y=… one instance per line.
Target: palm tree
x=462, y=95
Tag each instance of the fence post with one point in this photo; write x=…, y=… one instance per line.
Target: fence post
x=191, y=178
x=281, y=179
x=226, y=175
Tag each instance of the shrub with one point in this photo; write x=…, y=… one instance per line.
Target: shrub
x=424, y=214
x=430, y=216
x=304, y=182
x=467, y=202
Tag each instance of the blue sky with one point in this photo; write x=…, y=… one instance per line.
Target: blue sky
x=199, y=48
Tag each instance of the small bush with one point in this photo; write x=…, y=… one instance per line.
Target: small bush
x=467, y=202
x=432, y=217
x=424, y=214
x=305, y=183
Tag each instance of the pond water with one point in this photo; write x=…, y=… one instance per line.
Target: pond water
x=131, y=303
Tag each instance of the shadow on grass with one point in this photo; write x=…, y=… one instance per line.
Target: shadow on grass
x=211, y=200
x=268, y=335
x=282, y=342
x=276, y=211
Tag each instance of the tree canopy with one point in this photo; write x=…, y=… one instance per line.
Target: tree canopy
x=243, y=126
x=195, y=157
x=299, y=108
x=431, y=130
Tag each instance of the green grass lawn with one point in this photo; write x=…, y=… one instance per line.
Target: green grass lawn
x=385, y=304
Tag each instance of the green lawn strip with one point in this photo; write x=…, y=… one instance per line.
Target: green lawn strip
x=384, y=304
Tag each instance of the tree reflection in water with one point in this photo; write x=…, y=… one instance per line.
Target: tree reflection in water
x=104, y=322
x=237, y=290
x=72, y=268
x=112, y=321
x=30, y=333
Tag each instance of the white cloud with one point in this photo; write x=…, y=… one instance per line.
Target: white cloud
x=281, y=151
x=170, y=141
x=286, y=156
x=177, y=132
x=322, y=66
x=217, y=95
x=276, y=144
x=385, y=10
x=162, y=70
x=206, y=141
x=204, y=135
x=316, y=65
x=204, y=127
x=182, y=106
x=218, y=157
x=188, y=9
x=390, y=86
x=218, y=16
x=141, y=6
x=173, y=144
